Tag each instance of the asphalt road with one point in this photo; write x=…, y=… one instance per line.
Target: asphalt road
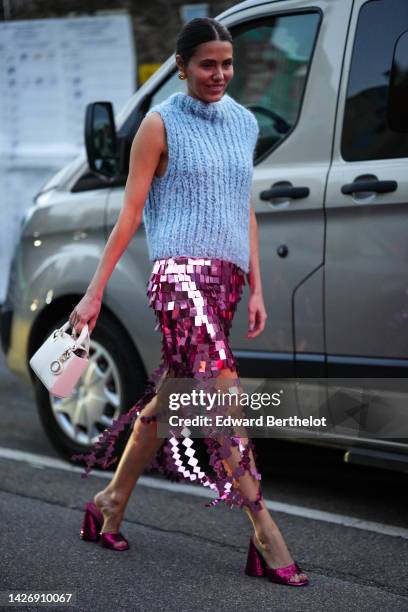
x=185, y=556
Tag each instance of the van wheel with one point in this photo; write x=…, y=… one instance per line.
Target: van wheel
x=109, y=386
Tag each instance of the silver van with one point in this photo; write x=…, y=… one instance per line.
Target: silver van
x=328, y=83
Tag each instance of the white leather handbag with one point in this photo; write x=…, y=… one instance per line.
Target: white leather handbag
x=61, y=359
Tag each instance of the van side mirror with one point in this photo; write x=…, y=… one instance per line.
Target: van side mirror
x=397, y=112
x=101, y=140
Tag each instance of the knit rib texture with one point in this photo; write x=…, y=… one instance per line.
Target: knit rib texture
x=200, y=207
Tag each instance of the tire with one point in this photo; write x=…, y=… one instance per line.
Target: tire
x=124, y=384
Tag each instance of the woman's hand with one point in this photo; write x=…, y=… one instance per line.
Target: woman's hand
x=86, y=311
x=256, y=315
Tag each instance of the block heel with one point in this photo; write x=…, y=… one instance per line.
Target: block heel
x=91, y=524
x=257, y=566
x=91, y=530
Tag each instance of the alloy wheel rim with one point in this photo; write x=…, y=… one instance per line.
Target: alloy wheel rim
x=95, y=401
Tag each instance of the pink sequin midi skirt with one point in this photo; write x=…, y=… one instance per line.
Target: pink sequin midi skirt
x=194, y=301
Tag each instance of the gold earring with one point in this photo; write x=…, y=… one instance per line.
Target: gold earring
x=181, y=76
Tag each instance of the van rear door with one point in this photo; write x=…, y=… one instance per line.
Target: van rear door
x=366, y=287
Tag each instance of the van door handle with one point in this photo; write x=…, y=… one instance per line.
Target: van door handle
x=369, y=186
x=284, y=190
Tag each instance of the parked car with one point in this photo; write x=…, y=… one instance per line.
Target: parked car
x=328, y=83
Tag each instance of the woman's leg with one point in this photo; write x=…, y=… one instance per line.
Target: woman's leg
x=267, y=532
x=140, y=449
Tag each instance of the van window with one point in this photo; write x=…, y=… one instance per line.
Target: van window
x=271, y=62
x=398, y=95
x=169, y=87
x=367, y=132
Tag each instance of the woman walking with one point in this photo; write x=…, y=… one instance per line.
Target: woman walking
x=190, y=175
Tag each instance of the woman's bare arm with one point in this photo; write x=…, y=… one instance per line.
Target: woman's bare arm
x=254, y=274
x=145, y=153
x=147, y=147
x=256, y=308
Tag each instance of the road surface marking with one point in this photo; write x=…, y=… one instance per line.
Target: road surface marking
x=42, y=461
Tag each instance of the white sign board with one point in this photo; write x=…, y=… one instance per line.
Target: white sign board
x=50, y=69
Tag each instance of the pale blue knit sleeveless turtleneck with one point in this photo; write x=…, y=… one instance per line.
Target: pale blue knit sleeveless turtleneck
x=200, y=206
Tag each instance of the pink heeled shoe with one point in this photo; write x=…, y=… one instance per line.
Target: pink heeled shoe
x=91, y=530
x=257, y=566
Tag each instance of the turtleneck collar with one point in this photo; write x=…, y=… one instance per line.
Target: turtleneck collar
x=207, y=110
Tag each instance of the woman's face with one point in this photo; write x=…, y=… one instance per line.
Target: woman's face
x=209, y=70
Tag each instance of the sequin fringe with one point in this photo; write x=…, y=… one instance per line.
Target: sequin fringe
x=194, y=301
